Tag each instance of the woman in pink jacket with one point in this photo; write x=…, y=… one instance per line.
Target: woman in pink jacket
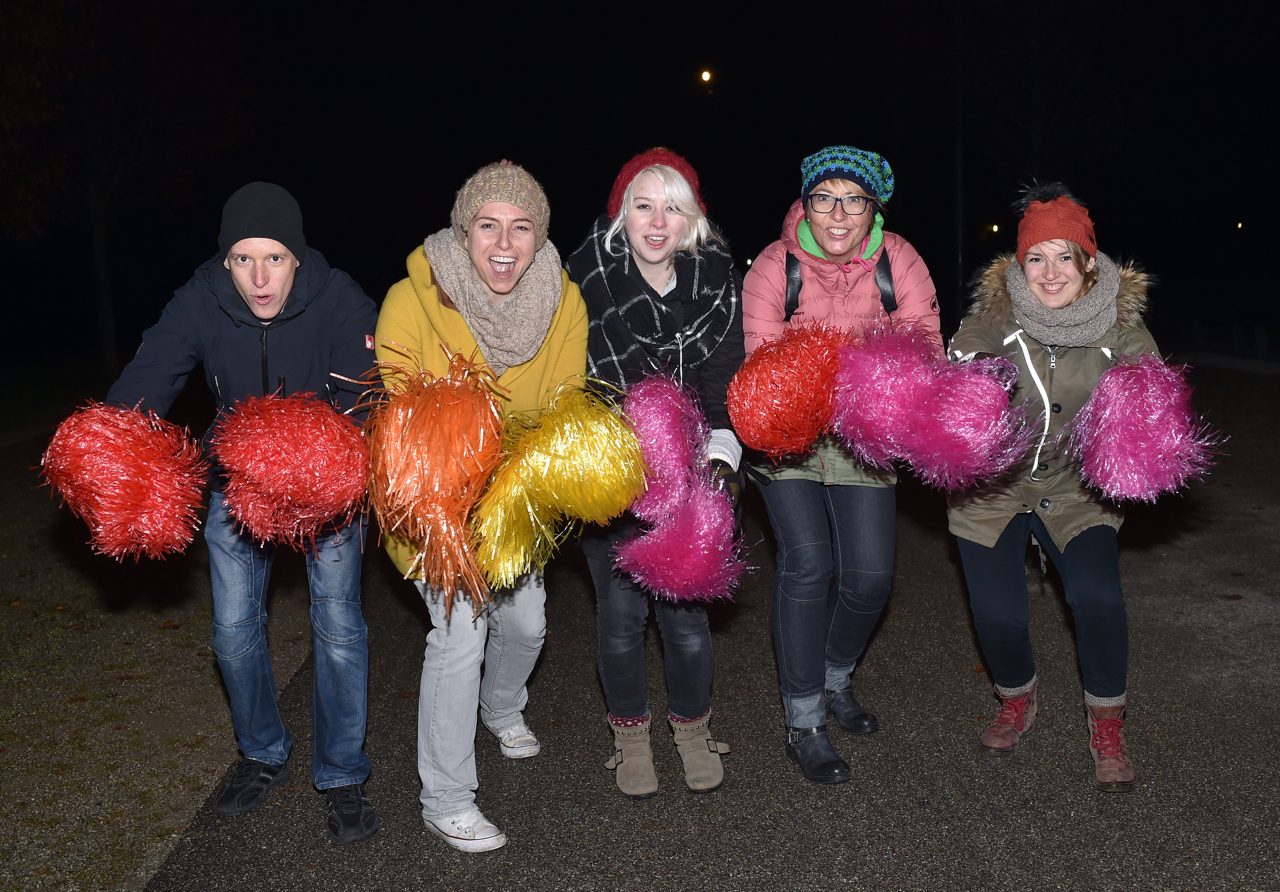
x=833, y=519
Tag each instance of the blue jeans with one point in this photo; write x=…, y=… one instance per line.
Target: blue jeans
x=506, y=637
x=1090, y=571
x=240, y=570
x=826, y=534
x=622, y=610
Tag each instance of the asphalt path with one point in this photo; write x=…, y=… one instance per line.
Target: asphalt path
x=926, y=809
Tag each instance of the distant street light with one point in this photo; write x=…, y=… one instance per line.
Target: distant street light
x=995, y=227
x=706, y=76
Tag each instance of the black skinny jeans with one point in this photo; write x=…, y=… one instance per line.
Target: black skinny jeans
x=1090, y=571
x=622, y=609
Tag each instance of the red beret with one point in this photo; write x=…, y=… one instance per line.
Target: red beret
x=632, y=169
x=1061, y=218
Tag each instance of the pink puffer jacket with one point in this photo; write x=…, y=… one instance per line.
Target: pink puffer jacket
x=849, y=300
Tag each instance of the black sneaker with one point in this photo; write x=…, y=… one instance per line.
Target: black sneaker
x=249, y=786
x=351, y=817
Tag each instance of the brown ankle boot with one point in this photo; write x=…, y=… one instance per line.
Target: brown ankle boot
x=1017, y=715
x=1111, y=766
x=633, y=760
x=703, y=771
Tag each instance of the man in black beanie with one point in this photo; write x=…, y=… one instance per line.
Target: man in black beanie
x=266, y=315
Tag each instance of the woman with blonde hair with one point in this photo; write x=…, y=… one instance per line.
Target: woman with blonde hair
x=663, y=297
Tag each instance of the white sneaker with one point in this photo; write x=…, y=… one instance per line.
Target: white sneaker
x=518, y=741
x=468, y=832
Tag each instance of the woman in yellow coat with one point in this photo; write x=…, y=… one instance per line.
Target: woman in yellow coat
x=491, y=284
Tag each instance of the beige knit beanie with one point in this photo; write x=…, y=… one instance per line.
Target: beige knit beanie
x=502, y=181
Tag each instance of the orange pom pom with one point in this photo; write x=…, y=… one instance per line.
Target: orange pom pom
x=433, y=444
x=135, y=479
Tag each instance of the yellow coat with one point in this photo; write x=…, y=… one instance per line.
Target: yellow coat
x=413, y=317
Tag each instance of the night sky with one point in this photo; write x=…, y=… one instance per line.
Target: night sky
x=1152, y=113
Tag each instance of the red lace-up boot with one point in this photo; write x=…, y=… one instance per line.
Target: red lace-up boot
x=1112, y=768
x=1017, y=715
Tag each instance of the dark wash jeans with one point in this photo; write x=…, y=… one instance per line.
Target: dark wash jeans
x=622, y=609
x=1090, y=571
x=835, y=567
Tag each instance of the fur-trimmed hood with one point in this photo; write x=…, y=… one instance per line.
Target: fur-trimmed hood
x=991, y=298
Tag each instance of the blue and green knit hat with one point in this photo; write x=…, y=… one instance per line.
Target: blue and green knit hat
x=867, y=169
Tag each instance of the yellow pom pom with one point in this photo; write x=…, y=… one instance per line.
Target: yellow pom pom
x=580, y=461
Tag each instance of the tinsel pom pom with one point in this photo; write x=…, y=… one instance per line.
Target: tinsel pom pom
x=293, y=464
x=1138, y=437
x=965, y=432
x=433, y=442
x=690, y=551
x=780, y=399
x=693, y=555
x=880, y=387
x=579, y=461
x=135, y=479
x=673, y=435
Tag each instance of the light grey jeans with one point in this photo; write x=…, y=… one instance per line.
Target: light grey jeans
x=506, y=638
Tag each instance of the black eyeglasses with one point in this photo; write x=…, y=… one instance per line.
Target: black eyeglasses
x=854, y=205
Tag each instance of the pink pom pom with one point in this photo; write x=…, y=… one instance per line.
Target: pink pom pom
x=780, y=400
x=1138, y=437
x=880, y=388
x=692, y=555
x=293, y=464
x=672, y=435
x=135, y=479
x=964, y=432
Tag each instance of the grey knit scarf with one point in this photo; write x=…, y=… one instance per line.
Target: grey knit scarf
x=510, y=334
x=1075, y=325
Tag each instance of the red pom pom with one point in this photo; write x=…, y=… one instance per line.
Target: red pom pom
x=780, y=400
x=293, y=464
x=1138, y=437
x=134, y=479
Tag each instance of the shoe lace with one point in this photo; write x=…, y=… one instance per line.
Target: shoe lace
x=1012, y=711
x=514, y=733
x=346, y=800
x=1108, y=738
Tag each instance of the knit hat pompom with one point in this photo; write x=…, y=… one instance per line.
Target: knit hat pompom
x=501, y=181
x=263, y=210
x=632, y=169
x=1051, y=212
x=867, y=169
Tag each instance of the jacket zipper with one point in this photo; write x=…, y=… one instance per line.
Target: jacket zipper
x=266, y=388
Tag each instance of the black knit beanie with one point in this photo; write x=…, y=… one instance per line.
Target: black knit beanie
x=263, y=210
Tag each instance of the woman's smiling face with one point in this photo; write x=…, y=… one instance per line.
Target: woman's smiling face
x=1052, y=274
x=838, y=234
x=501, y=242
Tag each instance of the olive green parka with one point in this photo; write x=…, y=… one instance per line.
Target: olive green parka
x=1054, y=383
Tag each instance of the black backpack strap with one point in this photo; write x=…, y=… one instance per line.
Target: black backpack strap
x=793, y=286
x=884, y=281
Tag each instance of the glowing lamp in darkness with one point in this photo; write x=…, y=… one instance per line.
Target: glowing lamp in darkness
x=1239, y=226
x=995, y=227
x=706, y=76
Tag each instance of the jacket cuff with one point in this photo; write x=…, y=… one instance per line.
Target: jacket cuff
x=724, y=446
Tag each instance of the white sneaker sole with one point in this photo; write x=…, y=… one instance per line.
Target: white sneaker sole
x=520, y=752
x=462, y=844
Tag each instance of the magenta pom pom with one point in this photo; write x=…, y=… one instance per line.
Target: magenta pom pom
x=965, y=432
x=881, y=386
x=1138, y=437
x=690, y=551
x=672, y=434
x=692, y=555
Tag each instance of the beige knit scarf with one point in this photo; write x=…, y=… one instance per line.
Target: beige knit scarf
x=509, y=334
x=1081, y=322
